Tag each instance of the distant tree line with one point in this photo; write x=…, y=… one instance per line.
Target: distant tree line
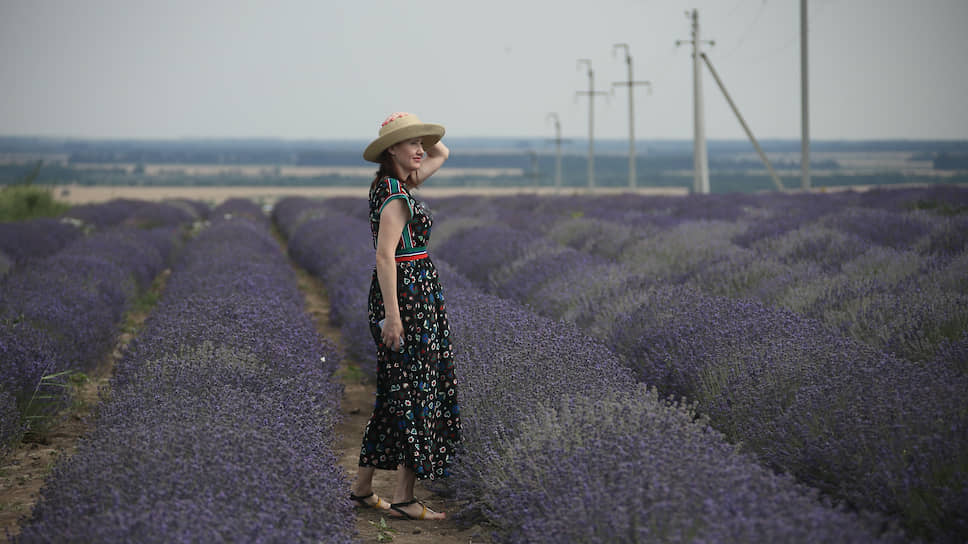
x=951, y=161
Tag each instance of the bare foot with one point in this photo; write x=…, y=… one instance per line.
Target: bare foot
x=371, y=500
x=414, y=509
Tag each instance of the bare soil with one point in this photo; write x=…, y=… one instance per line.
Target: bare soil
x=24, y=470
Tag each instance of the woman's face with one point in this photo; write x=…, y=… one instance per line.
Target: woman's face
x=407, y=155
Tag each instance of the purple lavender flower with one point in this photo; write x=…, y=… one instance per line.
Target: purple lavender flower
x=36, y=238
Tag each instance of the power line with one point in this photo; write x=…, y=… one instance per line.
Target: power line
x=793, y=40
x=746, y=33
x=735, y=7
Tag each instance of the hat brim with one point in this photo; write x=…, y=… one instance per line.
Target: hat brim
x=429, y=133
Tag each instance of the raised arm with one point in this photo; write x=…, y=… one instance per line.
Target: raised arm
x=436, y=155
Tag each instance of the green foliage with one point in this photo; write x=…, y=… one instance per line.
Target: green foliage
x=352, y=373
x=48, y=398
x=939, y=207
x=385, y=531
x=24, y=201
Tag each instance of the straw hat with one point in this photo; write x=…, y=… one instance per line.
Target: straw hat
x=399, y=127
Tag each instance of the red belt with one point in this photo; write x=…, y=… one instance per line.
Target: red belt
x=413, y=257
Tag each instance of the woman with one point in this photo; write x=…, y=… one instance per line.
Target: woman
x=415, y=425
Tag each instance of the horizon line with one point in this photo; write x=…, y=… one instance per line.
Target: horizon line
x=569, y=141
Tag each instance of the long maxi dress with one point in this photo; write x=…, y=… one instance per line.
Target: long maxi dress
x=416, y=416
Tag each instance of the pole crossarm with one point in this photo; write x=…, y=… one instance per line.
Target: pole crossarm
x=742, y=122
x=632, y=83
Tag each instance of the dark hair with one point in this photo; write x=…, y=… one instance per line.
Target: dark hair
x=386, y=170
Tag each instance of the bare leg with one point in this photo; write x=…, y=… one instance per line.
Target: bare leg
x=364, y=481
x=405, y=479
x=364, y=487
x=403, y=492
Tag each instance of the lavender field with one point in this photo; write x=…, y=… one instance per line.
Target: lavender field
x=725, y=368
x=817, y=337
x=219, y=420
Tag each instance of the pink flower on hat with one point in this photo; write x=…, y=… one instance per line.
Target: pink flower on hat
x=394, y=117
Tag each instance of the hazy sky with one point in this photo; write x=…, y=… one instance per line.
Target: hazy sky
x=322, y=69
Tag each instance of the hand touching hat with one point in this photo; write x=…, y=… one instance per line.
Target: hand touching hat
x=399, y=127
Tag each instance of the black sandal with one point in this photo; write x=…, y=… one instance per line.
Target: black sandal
x=398, y=507
x=361, y=501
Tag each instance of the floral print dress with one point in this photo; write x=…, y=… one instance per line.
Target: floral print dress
x=416, y=416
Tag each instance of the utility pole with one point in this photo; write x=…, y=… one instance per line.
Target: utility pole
x=630, y=83
x=534, y=173
x=554, y=116
x=804, y=101
x=742, y=122
x=591, y=93
x=699, y=160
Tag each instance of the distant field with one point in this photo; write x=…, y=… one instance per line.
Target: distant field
x=83, y=194
x=281, y=170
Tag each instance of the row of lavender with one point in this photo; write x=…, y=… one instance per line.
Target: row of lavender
x=61, y=304
x=219, y=422
x=851, y=260
x=343, y=267
x=23, y=241
x=845, y=416
x=560, y=443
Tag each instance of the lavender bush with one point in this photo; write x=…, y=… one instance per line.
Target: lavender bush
x=881, y=227
x=10, y=426
x=104, y=214
x=812, y=267
x=137, y=213
x=288, y=213
x=788, y=389
x=346, y=273
x=548, y=453
x=240, y=207
x=576, y=474
x=36, y=238
x=61, y=313
x=160, y=214
x=785, y=384
x=219, y=421
x=197, y=209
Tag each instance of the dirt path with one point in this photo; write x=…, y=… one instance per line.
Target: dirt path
x=24, y=470
x=357, y=405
